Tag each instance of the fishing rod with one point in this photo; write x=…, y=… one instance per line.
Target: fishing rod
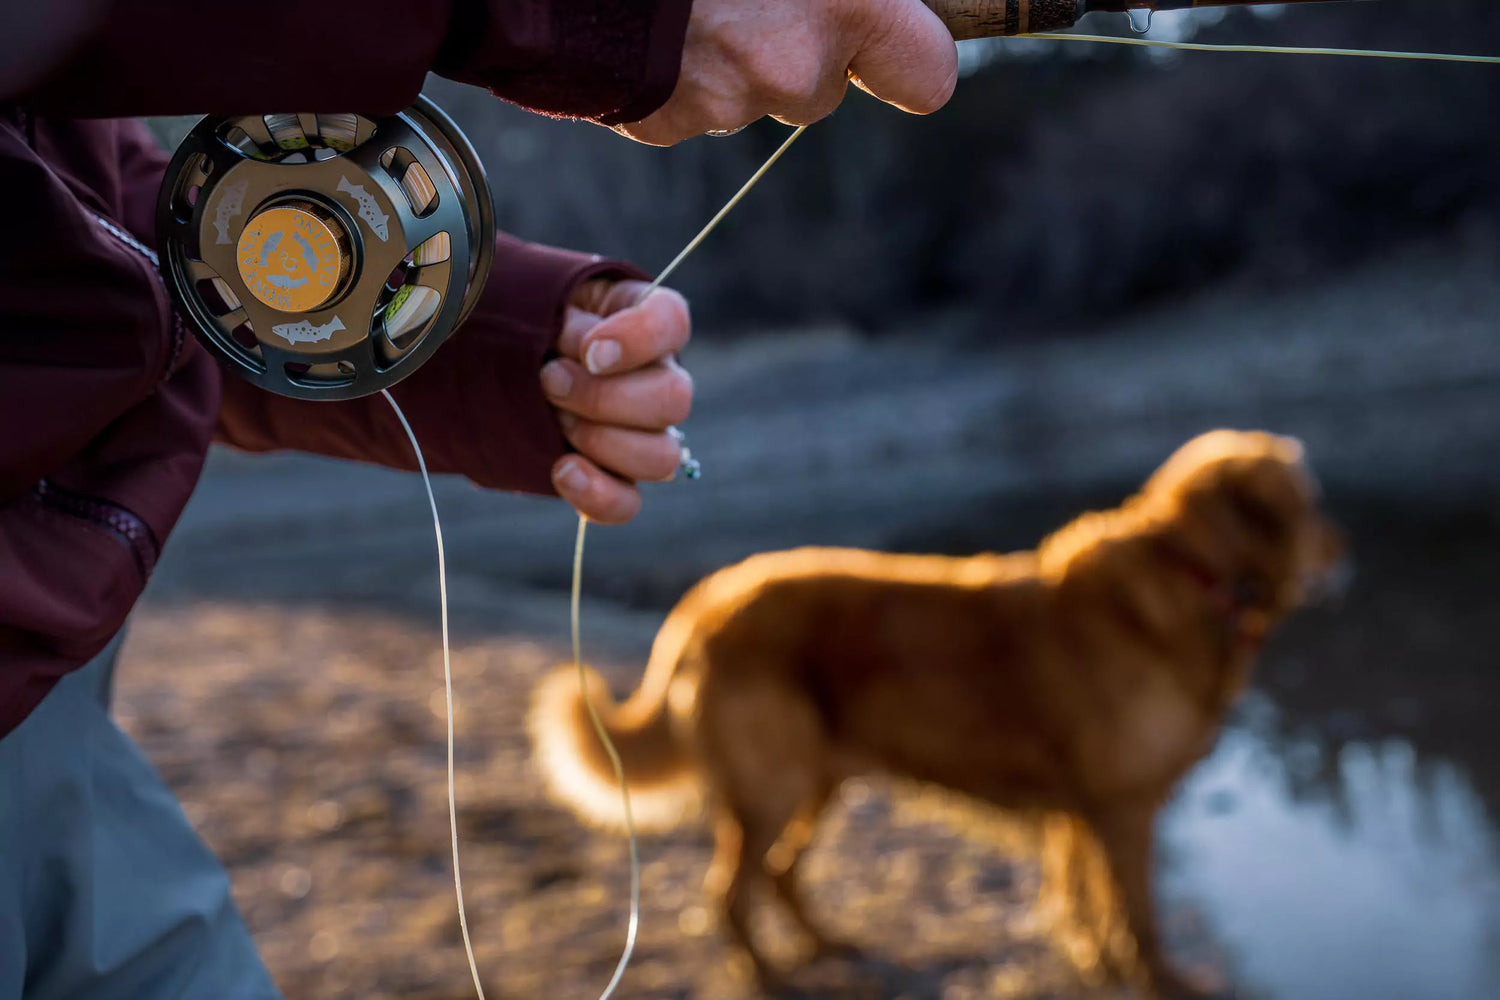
x=1003, y=18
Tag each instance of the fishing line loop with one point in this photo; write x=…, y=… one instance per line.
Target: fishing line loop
x=1140, y=27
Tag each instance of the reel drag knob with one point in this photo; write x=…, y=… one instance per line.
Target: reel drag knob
x=294, y=257
x=325, y=256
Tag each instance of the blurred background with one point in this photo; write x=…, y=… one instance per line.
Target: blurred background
x=947, y=334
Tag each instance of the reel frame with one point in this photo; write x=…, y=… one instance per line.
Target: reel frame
x=403, y=203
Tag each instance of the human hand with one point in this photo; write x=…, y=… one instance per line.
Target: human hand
x=792, y=60
x=618, y=390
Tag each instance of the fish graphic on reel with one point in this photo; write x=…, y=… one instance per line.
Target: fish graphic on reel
x=325, y=256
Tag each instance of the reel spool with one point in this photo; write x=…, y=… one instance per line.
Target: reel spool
x=325, y=256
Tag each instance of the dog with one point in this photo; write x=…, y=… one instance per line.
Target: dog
x=1079, y=682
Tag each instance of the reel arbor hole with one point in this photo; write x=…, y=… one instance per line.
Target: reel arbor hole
x=416, y=183
x=412, y=294
x=217, y=295
x=245, y=338
x=189, y=187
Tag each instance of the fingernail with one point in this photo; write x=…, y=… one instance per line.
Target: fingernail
x=556, y=380
x=602, y=356
x=570, y=478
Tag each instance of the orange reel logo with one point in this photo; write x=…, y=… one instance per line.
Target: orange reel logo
x=291, y=259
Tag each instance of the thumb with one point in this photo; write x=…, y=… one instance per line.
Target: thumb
x=909, y=59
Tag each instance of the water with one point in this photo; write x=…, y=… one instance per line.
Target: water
x=1343, y=842
x=1391, y=892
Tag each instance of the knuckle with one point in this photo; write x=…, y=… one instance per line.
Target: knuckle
x=661, y=465
x=940, y=94
x=679, y=314
x=720, y=112
x=584, y=436
x=819, y=105
x=672, y=327
x=677, y=401
x=590, y=397
x=619, y=508
x=795, y=89
x=788, y=77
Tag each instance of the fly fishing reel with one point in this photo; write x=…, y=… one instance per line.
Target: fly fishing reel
x=325, y=256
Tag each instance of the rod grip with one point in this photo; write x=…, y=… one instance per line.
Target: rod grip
x=997, y=18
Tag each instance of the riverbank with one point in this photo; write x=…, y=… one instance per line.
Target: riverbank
x=284, y=670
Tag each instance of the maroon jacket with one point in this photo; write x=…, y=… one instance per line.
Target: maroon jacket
x=108, y=405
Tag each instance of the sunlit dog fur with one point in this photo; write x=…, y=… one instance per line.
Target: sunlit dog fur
x=1079, y=681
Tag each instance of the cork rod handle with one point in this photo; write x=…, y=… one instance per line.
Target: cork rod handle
x=995, y=18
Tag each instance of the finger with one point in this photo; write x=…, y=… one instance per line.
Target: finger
x=641, y=456
x=639, y=335
x=604, y=296
x=711, y=94
x=909, y=59
x=658, y=130
x=593, y=492
x=818, y=105
x=650, y=399
x=591, y=295
x=576, y=324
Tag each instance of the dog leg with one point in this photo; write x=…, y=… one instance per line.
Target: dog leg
x=1078, y=899
x=784, y=863
x=762, y=783
x=1125, y=834
x=737, y=865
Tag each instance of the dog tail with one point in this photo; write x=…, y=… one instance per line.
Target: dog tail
x=664, y=787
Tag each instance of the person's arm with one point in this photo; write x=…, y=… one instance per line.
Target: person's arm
x=658, y=71
x=476, y=406
x=110, y=58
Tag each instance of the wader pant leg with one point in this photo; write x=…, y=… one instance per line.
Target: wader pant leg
x=106, y=893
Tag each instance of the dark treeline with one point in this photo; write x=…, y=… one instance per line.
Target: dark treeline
x=1058, y=187
x=1063, y=184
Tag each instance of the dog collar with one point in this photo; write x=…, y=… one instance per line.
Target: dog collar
x=1244, y=623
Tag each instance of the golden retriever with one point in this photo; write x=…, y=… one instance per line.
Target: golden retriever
x=1079, y=681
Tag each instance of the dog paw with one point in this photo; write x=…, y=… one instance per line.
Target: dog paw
x=763, y=978
x=1191, y=984
x=774, y=984
x=834, y=949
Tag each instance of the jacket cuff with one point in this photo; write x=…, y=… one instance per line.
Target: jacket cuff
x=663, y=63
x=505, y=434
x=476, y=406
x=605, y=60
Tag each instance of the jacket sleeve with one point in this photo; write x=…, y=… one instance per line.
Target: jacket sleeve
x=603, y=59
x=476, y=406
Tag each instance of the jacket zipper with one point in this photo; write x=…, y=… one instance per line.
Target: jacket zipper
x=179, y=334
x=125, y=525
x=121, y=523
